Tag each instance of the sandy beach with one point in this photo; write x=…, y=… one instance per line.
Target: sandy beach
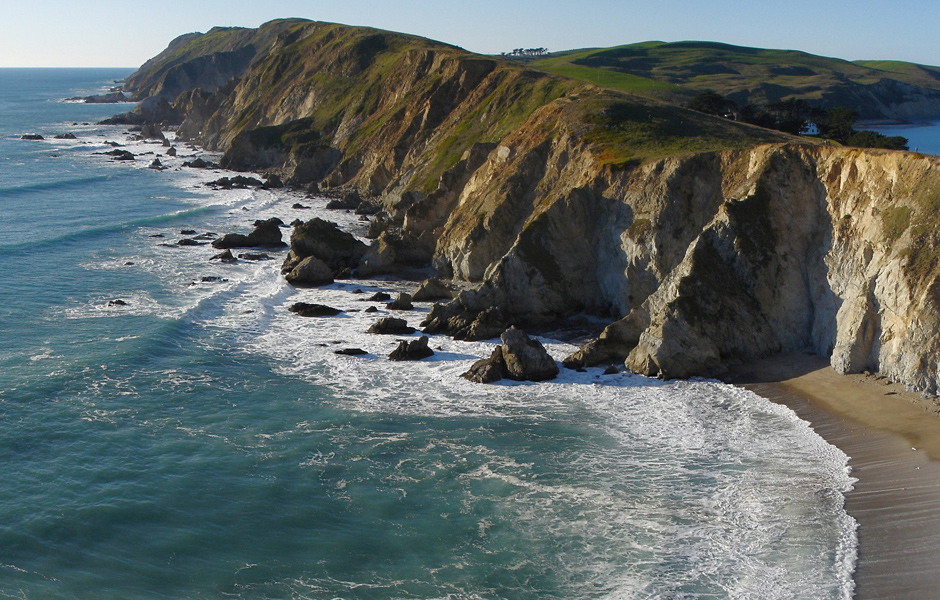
x=893, y=440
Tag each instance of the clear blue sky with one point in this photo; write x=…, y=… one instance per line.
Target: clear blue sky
x=125, y=33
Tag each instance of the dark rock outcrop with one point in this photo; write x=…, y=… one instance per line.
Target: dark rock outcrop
x=326, y=241
x=391, y=326
x=226, y=257
x=526, y=359
x=487, y=370
x=151, y=131
x=109, y=98
x=66, y=136
x=265, y=234
x=31, y=136
x=310, y=271
x=237, y=182
x=349, y=201
x=433, y=289
x=305, y=309
x=517, y=357
x=200, y=163
x=401, y=302
x=412, y=350
x=351, y=352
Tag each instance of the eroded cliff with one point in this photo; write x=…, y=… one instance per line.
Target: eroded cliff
x=710, y=242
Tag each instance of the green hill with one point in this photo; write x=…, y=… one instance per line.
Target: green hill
x=679, y=71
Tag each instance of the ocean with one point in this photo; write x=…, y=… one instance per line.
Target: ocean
x=922, y=136
x=200, y=441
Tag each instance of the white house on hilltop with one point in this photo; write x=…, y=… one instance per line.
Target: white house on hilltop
x=809, y=128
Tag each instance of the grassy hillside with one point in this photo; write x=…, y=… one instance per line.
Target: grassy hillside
x=677, y=71
x=355, y=103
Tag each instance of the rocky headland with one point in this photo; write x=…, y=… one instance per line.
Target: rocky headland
x=705, y=242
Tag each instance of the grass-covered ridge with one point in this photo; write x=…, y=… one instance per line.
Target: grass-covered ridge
x=680, y=70
x=391, y=103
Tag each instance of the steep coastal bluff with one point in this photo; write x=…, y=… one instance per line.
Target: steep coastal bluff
x=707, y=241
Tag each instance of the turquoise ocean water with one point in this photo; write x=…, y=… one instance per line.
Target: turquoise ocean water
x=202, y=442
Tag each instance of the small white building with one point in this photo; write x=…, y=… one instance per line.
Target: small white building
x=809, y=128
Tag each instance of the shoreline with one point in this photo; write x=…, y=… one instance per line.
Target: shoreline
x=892, y=438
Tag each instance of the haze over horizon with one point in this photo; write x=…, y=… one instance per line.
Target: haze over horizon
x=108, y=33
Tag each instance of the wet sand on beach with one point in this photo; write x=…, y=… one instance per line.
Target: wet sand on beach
x=893, y=440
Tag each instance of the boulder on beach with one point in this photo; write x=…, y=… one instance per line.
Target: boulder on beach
x=305, y=309
x=171, y=152
x=157, y=165
x=379, y=297
x=391, y=326
x=412, y=350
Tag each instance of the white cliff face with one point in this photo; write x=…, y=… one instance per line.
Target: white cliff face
x=803, y=261
x=726, y=256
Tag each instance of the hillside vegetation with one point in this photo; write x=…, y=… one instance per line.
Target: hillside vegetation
x=678, y=71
